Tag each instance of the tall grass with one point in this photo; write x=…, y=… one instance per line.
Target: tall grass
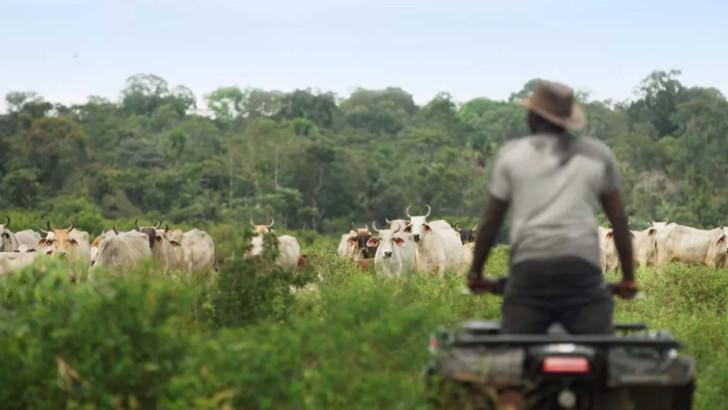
x=255, y=337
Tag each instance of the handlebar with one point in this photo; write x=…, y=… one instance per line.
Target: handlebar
x=499, y=286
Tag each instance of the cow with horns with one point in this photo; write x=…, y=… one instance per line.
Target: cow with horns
x=438, y=245
x=162, y=249
x=354, y=245
x=69, y=244
x=289, y=250
x=396, y=251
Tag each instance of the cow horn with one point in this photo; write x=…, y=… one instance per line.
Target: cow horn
x=475, y=227
x=48, y=225
x=374, y=227
x=457, y=227
x=158, y=224
x=115, y=231
x=366, y=226
x=166, y=228
x=399, y=227
x=7, y=221
x=272, y=222
x=429, y=210
x=406, y=211
x=136, y=224
x=387, y=221
x=72, y=227
x=252, y=223
x=352, y=227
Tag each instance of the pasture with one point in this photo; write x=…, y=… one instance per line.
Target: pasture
x=257, y=337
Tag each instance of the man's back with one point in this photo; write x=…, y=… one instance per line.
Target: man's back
x=554, y=184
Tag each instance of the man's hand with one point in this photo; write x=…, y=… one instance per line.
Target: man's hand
x=479, y=284
x=626, y=289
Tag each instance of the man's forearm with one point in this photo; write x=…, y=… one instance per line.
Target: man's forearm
x=488, y=231
x=614, y=208
x=623, y=243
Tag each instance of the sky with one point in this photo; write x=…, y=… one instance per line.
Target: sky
x=68, y=50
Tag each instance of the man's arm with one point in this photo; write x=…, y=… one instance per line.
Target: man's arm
x=493, y=216
x=614, y=208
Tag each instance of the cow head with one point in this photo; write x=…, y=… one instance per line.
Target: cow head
x=60, y=242
x=467, y=235
x=263, y=229
x=386, y=240
x=157, y=236
x=417, y=225
x=358, y=239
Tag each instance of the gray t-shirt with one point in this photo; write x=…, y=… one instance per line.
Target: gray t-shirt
x=554, y=190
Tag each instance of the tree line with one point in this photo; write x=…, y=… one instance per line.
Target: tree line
x=314, y=160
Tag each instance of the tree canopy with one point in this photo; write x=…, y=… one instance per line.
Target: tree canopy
x=312, y=159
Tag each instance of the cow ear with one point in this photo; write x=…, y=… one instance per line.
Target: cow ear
x=408, y=228
x=159, y=238
x=652, y=232
x=427, y=228
x=721, y=240
x=373, y=242
x=42, y=242
x=175, y=243
x=610, y=235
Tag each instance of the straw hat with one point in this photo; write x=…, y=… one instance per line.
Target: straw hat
x=555, y=103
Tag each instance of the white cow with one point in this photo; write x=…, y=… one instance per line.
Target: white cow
x=94, y=251
x=608, y=250
x=163, y=251
x=395, y=251
x=8, y=240
x=289, y=250
x=438, y=245
x=679, y=243
x=347, y=245
x=194, y=250
x=16, y=260
x=123, y=251
x=29, y=238
x=644, y=246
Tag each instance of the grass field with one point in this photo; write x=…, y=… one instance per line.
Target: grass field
x=244, y=341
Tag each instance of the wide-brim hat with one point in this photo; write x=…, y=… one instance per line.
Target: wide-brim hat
x=555, y=103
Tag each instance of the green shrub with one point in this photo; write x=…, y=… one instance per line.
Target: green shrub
x=113, y=342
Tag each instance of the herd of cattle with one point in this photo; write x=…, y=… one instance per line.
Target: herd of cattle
x=191, y=251
x=409, y=245
x=416, y=245
x=404, y=246
x=665, y=242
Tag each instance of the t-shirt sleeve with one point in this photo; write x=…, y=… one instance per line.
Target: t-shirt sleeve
x=500, y=181
x=612, y=175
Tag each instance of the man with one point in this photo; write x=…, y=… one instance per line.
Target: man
x=554, y=184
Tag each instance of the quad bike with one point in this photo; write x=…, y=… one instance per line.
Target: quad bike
x=474, y=366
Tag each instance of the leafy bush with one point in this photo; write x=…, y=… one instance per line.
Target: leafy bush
x=114, y=342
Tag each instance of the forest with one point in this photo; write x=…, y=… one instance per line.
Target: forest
x=314, y=160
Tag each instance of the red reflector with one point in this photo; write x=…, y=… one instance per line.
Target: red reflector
x=565, y=365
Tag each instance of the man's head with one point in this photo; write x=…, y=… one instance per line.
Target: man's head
x=552, y=109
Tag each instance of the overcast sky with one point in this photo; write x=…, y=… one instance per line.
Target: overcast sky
x=67, y=50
